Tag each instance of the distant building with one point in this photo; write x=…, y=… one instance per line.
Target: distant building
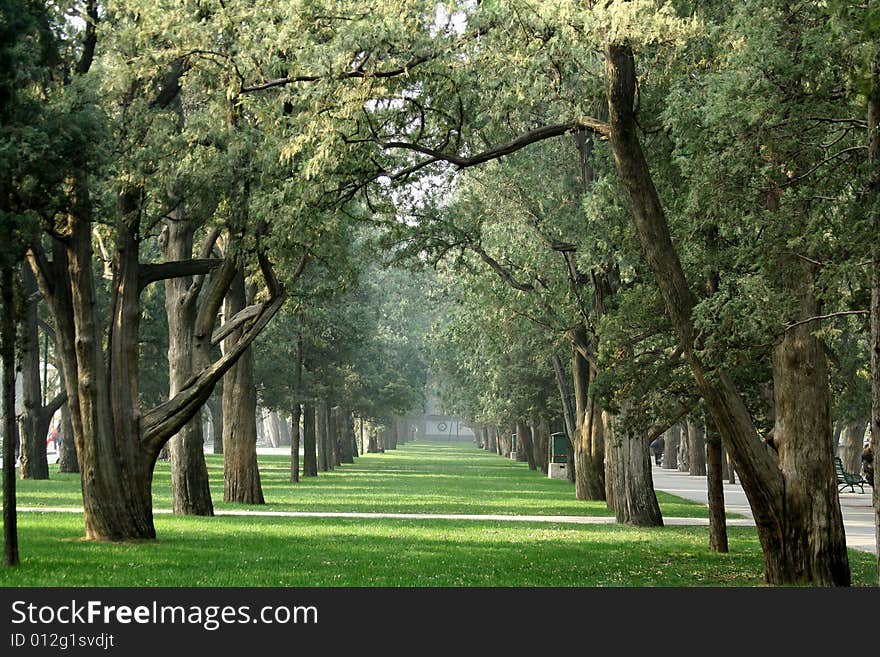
x=434, y=424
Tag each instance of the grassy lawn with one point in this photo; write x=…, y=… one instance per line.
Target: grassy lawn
x=293, y=552
x=417, y=478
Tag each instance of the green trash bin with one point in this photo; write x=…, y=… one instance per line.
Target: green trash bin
x=558, y=448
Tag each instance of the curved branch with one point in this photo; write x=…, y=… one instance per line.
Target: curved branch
x=587, y=124
x=162, y=422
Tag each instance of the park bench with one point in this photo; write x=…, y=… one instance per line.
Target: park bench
x=845, y=478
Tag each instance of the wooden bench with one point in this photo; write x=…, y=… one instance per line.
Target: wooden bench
x=845, y=478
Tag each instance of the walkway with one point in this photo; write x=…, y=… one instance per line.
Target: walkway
x=858, y=514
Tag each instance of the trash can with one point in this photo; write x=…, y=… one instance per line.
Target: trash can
x=557, y=468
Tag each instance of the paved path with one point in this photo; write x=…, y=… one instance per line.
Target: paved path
x=858, y=515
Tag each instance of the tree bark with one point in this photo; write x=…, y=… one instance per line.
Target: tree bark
x=241, y=474
x=321, y=435
x=215, y=407
x=35, y=419
x=589, y=444
x=295, y=417
x=7, y=346
x=190, y=490
x=803, y=434
x=715, y=483
x=346, y=436
x=696, y=449
x=332, y=436
x=683, y=445
x=540, y=444
x=670, y=449
x=526, y=449
x=797, y=548
x=67, y=461
x=310, y=461
x=635, y=502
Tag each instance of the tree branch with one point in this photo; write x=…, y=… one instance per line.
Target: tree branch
x=501, y=271
x=90, y=38
x=150, y=273
x=56, y=403
x=588, y=124
x=204, y=254
x=349, y=75
x=213, y=299
x=39, y=263
x=842, y=313
x=235, y=322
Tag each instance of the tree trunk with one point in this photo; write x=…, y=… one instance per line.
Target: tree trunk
x=853, y=444
x=683, y=454
x=540, y=444
x=798, y=547
x=526, y=449
x=492, y=439
x=35, y=418
x=7, y=346
x=568, y=413
x=215, y=407
x=67, y=461
x=715, y=483
x=372, y=441
x=670, y=449
x=589, y=444
x=295, y=416
x=803, y=435
x=309, y=439
x=635, y=502
x=241, y=474
x=321, y=435
x=346, y=436
x=332, y=436
x=33, y=423
x=696, y=449
x=190, y=491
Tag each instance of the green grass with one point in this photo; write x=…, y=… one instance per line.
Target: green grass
x=417, y=478
x=293, y=552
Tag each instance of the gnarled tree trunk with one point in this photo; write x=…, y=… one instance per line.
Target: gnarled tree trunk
x=190, y=492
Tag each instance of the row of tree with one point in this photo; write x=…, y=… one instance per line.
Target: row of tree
x=677, y=204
